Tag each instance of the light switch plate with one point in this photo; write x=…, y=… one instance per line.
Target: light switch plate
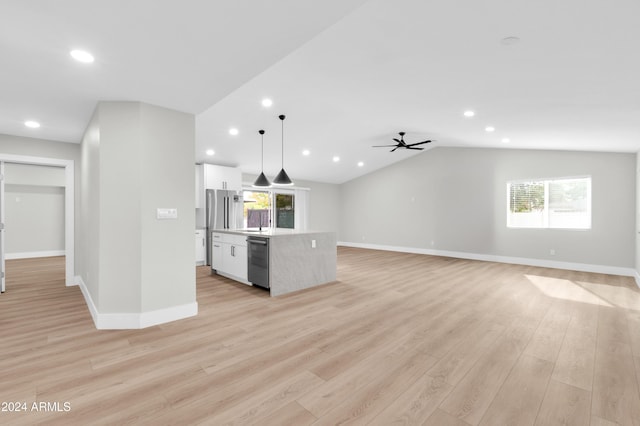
x=166, y=213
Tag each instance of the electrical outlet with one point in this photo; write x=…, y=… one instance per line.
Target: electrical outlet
x=552, y=252
x=313, y=243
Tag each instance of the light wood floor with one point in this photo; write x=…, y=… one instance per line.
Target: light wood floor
x=401, y=338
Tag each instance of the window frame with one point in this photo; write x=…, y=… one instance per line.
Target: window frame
x=545, y=217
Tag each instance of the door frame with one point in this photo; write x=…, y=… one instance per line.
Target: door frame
x=69, y=203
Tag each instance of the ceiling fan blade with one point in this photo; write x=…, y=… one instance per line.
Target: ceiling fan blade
x=417, y=149
x=381, y=146
x=418, y=143
x=398, y=140
x=394, y=149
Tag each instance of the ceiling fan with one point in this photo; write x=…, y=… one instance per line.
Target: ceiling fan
x=402, y=144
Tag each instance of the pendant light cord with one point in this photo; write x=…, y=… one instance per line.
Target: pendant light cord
x=261, y=150
x=282, y=119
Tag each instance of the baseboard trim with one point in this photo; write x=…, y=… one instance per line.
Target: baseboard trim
x=129, y=321
x=174, y=313
x=584, y=267
x=88, y=300
x=33, y=254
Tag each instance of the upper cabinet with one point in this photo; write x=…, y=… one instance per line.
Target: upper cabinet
x=221, y=177
x=209, y=176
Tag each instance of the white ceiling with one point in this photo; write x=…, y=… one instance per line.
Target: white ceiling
x=348, y=74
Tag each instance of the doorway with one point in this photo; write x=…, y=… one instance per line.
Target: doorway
x=69, y=203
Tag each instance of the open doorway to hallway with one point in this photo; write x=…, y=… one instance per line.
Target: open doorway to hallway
x=51, y=185
x=34, y=211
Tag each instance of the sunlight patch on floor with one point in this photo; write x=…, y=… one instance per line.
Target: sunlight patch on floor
x=587, y=292
x=622, y=297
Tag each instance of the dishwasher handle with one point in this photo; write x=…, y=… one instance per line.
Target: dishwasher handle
x=262, y=242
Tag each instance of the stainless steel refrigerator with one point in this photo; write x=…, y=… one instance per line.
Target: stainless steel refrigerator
x=224, y=210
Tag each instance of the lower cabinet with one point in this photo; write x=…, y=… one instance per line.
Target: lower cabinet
x=217, y=255
x=229, y=256
x=201, y=252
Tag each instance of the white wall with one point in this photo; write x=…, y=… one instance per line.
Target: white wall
x=35, y=175
x=167, y=172
x=34, y=220
x=454, y=199
x=88, y=222
x=34, y=210
x=137, y=158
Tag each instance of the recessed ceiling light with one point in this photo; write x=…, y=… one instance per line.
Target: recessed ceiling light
x=506, y=140
x=82, y=56
x=210, y=152
x=490, y=129
x=306, y=152
x=266, y=102
x=32, y=124
x=233, y=131
x=360, y=164
x=336, y=159
x=469, y=113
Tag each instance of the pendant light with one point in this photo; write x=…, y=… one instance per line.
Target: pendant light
x=262, y=181
x=282, y=178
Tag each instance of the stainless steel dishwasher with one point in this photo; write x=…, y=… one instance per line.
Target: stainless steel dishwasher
x=258, y=260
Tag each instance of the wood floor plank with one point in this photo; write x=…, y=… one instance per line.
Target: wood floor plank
x=615, y=388
x=454, y=365
x=521, y=395
x=633, y=320
x=576, y=359
x=547, y=339
x=564, y=405
x=416, y=404
x=399, y=338
x=597, y=421
x=363, y=406
x=290, y=414
x=442, y=418
x=472, y=396
x=268, y=402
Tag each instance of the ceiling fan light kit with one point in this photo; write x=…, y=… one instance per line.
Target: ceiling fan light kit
x=282, y=178
x=402, y=144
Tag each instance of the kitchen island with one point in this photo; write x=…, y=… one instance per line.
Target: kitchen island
x=297, y=259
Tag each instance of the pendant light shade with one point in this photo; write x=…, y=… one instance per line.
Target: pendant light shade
x=262, y=181
x=282, y=178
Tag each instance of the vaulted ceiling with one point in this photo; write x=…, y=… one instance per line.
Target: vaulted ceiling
x=348, y=74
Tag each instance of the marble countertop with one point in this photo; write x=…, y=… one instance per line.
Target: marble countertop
x=268, y=233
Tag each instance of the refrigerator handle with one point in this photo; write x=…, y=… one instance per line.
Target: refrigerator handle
x=208, y=210
x=226, y=212
x=212, y=219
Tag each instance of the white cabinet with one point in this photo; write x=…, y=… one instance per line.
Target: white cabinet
x=210, y=176
x=235, y=259
x=229, y=256
x=221, y=177
x=201, y=252
x=216, y=256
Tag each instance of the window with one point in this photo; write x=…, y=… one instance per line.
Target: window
x=552, y=203
x=285, y=213
x=257, y=209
